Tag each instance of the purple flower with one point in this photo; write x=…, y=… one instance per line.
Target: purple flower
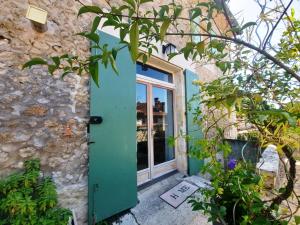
x=231, y=164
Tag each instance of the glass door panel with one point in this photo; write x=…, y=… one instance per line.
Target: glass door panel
x=163, y=124
x=142, y=126
x=155, y=124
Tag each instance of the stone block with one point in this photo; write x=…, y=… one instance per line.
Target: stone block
x=36, y=110
x=5, y=137
x=3, y=157
x=27, y=152
x=268, y=166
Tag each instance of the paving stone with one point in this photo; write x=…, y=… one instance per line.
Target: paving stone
x=199, y=181
x=152, y=210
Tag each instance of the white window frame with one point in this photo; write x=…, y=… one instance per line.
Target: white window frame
x=153, y=171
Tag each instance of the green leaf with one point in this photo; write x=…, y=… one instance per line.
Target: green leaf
x=34, y=61
x=65, y=56
x=91, y=36
x=163, y=29
x=292, y=12
x=131, y=3
x=134, y=40
x=110, y=22
x=65, y=73
x=113, y=64
x=223, y=210
x=248, y=25
x=163, y=10
x=209, y=26
x=123, y=33
x=145, y=58
x=144, y=1
x=222, y=66
x=172, y=55
x=51, y=69
x=188, y=49
x=200, y=47
x=177, y=11
x=93, y=68
x=204, y=4
x=56, y=60
x=114, y=53
x=89, y=9
x=220, y=191
x=171, y=141
x=195, y=13
x=297, y=219
x=235, y=30
x=95, y=24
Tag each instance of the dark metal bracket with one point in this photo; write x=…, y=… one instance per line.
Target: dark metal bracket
x=96, y=120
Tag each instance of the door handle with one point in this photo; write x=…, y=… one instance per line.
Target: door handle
x=152, y=132
x=96, y=120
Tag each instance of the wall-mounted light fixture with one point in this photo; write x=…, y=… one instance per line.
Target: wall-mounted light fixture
x=168, y=48
x=38, y=18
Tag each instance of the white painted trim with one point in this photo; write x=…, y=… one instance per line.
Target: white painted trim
x=173, y=161
x=153, y=169
x=142, y=78
x=168, y=171
x=140, y=175
x=150, y=131
x=162, y=64
x=143, y=170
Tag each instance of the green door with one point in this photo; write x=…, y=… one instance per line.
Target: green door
x=112, y=179
x=194, y=132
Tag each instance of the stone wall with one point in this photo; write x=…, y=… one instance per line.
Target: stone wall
x=42, y=116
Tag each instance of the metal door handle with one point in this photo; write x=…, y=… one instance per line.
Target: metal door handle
x=152, y=132
x=96, y=120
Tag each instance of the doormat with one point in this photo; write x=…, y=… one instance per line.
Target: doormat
x=178, y=194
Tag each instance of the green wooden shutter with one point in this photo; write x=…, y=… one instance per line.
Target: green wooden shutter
x=112, y=178
x=194, y=165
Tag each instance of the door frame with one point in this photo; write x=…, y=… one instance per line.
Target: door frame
x=152, y=171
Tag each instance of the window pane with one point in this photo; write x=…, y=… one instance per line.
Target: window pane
x=196, y=29
x=141, y=126
x=152, y=72
x=162, y=125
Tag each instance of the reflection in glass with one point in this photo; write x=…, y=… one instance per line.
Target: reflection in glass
x=162, y=125
x=152, y=72
x=141, y=126
x=195, y=28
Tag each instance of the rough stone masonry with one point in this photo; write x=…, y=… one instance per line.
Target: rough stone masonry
x=42, y=116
